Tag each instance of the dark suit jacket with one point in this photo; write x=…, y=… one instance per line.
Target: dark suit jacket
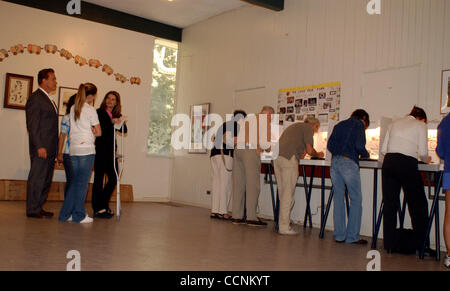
x=42, y=124
x=104, y=144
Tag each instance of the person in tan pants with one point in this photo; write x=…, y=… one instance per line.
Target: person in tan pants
x=247, y=167
x=294, y=143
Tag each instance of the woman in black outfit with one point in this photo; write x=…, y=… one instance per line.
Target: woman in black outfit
x=109, y=114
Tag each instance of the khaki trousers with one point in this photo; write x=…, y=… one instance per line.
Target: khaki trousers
x=286, y=172
x=221, y=183
x=246, y=183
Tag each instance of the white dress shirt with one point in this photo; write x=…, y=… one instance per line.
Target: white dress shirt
x=407, y=136
x=51, y=100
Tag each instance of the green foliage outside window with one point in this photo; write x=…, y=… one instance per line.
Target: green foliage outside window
x=162, y=101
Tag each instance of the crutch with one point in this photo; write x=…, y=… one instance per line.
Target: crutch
x=119, y=171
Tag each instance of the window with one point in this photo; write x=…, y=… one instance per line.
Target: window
x=162, y=100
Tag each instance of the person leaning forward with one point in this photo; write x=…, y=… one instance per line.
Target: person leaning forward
x=42, y=126
x=295, y=142
x=247, y=166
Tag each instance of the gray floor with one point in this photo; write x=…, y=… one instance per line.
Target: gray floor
x=155, y=236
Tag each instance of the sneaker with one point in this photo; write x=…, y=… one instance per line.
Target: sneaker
x=238, y=221
x=289, y=231
x=87, y=219
x=69, y=219
x=256, y=223
x=447, y=261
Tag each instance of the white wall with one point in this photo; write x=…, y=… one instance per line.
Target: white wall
x=127, y=52
x=310, y=42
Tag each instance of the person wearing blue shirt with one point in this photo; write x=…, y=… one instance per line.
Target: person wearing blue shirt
x=347, y=144
x=443, y=151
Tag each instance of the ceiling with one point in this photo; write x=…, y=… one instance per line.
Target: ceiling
x=178, y=13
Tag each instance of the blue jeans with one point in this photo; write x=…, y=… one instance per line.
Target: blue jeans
x=68, y=169
x=345, y=173
x=76, y=194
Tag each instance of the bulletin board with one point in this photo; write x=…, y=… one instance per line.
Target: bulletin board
x=321, y=101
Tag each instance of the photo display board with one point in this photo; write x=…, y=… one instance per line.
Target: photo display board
x=321, y=101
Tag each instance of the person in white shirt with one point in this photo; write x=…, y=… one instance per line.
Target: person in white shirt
x=405, y=141
x=84, y=128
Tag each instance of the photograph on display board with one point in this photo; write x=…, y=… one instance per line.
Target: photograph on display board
x=312, y=101
x=323, y=118
x=290, y=117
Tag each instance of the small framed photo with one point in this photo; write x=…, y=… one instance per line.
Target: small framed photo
x=445, y=92
x=63, y=98
x=199, y=127
x=18, y=89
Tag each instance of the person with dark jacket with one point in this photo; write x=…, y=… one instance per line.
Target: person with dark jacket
x=109, y=115
x=443, y=151
x=222, y=164
x=42, y=126
x=347, y=144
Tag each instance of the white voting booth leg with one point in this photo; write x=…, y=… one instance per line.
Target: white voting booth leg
x=118, y=171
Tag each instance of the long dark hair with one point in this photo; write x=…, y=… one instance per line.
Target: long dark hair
x=70, y=103
x=117, y=110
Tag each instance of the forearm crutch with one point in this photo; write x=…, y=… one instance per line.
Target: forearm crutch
x=119, y=171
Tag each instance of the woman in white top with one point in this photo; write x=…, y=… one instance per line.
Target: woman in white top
x=84, y=128
x=405, y=141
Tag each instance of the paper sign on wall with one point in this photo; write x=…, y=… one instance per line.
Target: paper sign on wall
x=321, y=101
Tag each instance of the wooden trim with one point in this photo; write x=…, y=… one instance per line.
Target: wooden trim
x=108, y=16
x=16, y=190
x=276, y=5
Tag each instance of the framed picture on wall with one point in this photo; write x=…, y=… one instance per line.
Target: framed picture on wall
x=199, y=127
x=63, y=98
x=445, y=92
x=18, y=89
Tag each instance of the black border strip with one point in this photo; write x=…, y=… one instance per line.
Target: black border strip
x=107, y=16
x=277, y=5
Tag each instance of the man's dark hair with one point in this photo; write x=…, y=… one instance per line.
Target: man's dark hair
x=241, y=112
x=362, y=115
x=43, y=74
x=419, y=113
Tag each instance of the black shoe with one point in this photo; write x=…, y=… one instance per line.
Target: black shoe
x=256, y=223
x=103, y=214
x=340, y=241
x=238, y=221
x=428, y=252
x=360, y=242
x=46, y=214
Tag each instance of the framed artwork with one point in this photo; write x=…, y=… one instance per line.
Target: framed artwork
x=18, y=89
x=445, y=92
x=63, y=98
x=199, y=127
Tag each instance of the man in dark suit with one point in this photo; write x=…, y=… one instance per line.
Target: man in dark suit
x=42, y=125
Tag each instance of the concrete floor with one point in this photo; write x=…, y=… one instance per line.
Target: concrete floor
x=156, y=236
